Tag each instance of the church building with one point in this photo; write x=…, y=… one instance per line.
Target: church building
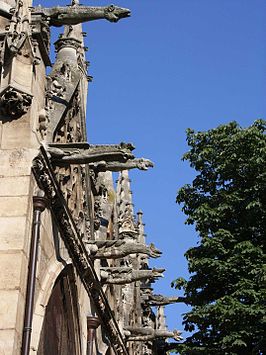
x=75, y=276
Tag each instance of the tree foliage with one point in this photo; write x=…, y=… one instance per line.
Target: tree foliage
x=226, y=203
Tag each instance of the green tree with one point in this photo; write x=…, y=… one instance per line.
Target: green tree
x=226, y=203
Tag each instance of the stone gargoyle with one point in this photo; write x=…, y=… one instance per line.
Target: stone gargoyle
x=115, y=249
x=84, y=153
x=140, y=163
x=73, y=15
x=125, y=275
x=112, y=157
x=159, y=300
x=148, y=333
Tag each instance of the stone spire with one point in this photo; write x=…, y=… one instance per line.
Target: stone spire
x=125, y=206
x=72, y=38
x=68, y=82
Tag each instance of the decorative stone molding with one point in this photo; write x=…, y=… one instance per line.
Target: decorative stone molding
x=67, y=42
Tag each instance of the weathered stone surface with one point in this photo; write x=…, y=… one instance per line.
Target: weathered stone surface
x=13, y=206
x=14, y=186
x=16, y=162
x=44, y=263
x=7, y=340
x=8, y=308
x=116, y=249
x=47, y=244
x=59, y=16
x=18, y=134
x=12, y=231
x=112, y=157
x=10, y=266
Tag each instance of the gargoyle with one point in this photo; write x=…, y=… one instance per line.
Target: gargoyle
x=159, y=300
x=73, y=15
x=83, y=153
x=115, y=249
x=113, y=157
x=148, y=333
x=14, y=103
x=125, y=275
x=141, y=164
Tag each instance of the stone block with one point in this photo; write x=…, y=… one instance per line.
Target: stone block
x=44, y=263
x=47, y=243
x=12, y=233
x=16, y=162
x=8, y=308
x=36, y=330
x=10, y=266
x=18, y=134
x=20, y=314
x=13, y=206
x=7, y=341
x=14, y=185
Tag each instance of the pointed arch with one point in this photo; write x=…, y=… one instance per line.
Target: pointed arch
x=60, y=334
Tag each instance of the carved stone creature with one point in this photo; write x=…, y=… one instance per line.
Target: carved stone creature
x=84, y=153
x=116, y=157
x=140, y=163
x=159, y=300
x=54, y=88
x=115, y=249
x=148, y=333
x=125, y=275
x=14, y=103
x=43, y=122
x=73, y=15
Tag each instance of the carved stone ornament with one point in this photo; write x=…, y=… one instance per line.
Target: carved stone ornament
x=125, y=275
x=148, y=333
x=73, y=15
x=46, y=180
x=67, y=42
x=116, y=249
x=116, y=157
x=14, y=103
x=160, y=300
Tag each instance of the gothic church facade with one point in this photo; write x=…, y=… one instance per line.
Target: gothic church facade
x=75, y=275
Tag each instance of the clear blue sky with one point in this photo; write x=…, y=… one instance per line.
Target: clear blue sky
x=174, y=64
